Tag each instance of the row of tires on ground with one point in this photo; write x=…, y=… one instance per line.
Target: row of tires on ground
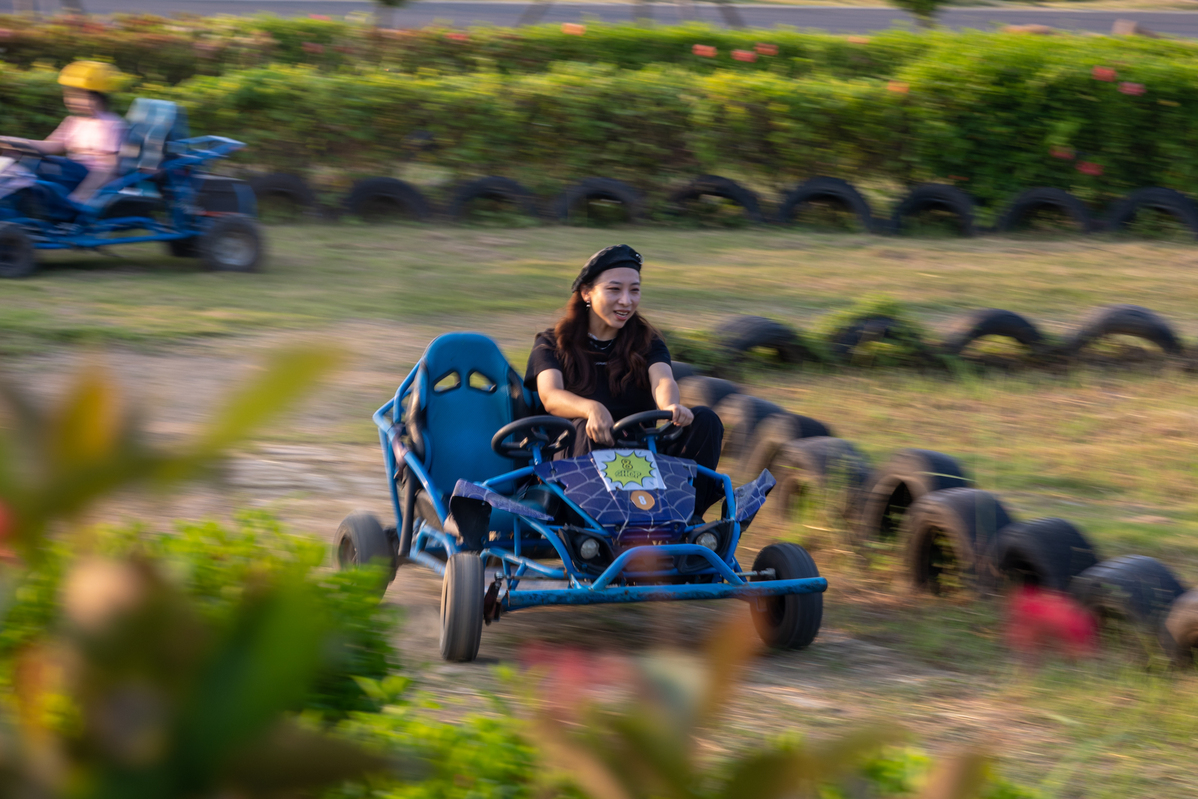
x=950, y=534
x=742, y=334
x=382, y=196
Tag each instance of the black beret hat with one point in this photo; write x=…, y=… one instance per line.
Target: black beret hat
x=607, y=258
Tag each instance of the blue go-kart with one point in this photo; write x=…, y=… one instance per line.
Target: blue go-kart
x=161, y=193
x=479, y=499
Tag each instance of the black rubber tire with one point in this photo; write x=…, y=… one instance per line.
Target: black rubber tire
x=598, y=189
x=1125, y=320
x=492, y=188
x=897, y=483
x=370, y=194
x=462, y=590
x=822, y=465
x=1136, y=588
x=184, y=248
x=821, y=188
x=716, y=186
x=772, y=434
x=1181, y=625
x=970, y=520
x=17, y=257
x=743, y=333
x=791, y=621
x=935, y=195
x=216, y=253
x=284, y=185
x=703, y=390
x=1167, y=200
x=1045, y=553
x=992, y=322
x=360, y=540
x=1040, y=197
x=682, y=370
x=740, y=414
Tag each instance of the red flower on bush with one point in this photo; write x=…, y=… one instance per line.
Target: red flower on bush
x=1104, y=73
x=313, y=48
x=458, y=37
x=1041, y=621
x=1134, y=89
x=898, y=86
x=1089, y=168
x=1065, y=153
x=573, y=28
x=321, y=17
x=5, y=34
x=704, y=50
x=744, y=55
x=766, y=49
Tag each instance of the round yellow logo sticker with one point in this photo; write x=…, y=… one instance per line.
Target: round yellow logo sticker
x=642, y=499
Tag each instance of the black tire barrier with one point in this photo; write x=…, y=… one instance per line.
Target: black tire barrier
x=1045, y=553
x=772, y=434
x=931, y=196
x=716, y=186
x=993, y=322
x=598, y=189
x=682, y=370
x=1125, y=320
x=808, y=469
x=833, y=189
x=1032, y=200
x=958, y=526
x=740, y=415
x=1136, y=588
x=379, y=199
x=703, y=390
x=896, y=484
x=845, y=342
x=743, y=333
x=492, y=188
x=284, y=186
x=1172, y=202
x=1181, y=625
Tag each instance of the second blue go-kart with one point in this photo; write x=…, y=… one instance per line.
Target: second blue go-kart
x=479, y=498
x=161, y=193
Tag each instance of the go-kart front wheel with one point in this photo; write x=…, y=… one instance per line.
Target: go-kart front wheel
x=791, y=621
x=16, y=252
x=362, y=540
x=232, y=244
x=462, y=607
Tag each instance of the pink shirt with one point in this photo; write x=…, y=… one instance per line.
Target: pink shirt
x=94, y=142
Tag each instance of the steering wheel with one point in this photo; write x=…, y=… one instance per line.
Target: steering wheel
x=531, y=430
x=631, y=427
x=13, y=144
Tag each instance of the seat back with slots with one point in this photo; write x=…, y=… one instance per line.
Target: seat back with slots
x=153, y=124
x=464, y=391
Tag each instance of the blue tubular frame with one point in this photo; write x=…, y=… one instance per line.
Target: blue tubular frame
x=725, y=580
x=87, y=231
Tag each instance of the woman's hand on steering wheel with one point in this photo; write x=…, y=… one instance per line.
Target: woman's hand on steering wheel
x=682, y=414
x=632, y=430
x=599, y=425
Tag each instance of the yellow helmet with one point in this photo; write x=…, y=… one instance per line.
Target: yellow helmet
x=91, y=76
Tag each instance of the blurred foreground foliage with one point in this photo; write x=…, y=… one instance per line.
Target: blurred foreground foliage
x=992, y=113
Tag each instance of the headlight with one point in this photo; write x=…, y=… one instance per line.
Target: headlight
x=709, y=540
x=588, y=548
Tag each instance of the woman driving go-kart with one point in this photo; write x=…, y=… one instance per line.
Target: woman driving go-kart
x=604, y=362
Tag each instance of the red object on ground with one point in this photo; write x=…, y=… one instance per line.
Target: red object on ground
x=1065, y=153
x=573, y=28
x=1104, y=73
x=313, y=48
x=898, y=86
x=1040, y=621
x=704, y=50
x=1134, y=89
x=766, y=49
x=744, y=55
x=1089, y=168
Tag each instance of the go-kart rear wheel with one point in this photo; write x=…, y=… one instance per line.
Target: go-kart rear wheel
x=232, y=244
x=16, y=252
x=362, y=540
x=462, y=607
x=792, y=621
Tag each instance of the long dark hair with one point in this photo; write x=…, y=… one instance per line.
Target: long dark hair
x=627, y=364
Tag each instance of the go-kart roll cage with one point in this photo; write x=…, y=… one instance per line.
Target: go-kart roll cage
x=87, y=230
x=723, y=577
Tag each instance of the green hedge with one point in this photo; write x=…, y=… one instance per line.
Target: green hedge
x=986, y=113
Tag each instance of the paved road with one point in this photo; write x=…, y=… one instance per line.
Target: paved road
x=830, y=18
